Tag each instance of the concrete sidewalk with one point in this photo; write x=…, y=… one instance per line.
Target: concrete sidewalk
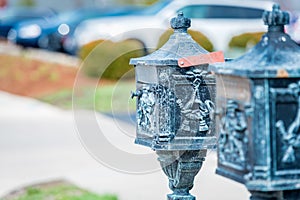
x=39, y=142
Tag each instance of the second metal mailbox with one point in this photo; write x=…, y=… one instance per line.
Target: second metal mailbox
x=259, y=115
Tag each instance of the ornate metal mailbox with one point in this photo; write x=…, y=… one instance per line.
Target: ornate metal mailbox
x=175, y=100
x=258, y=107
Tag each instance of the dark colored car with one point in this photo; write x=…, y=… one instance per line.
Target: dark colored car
x=50, y=34
x=11, y=16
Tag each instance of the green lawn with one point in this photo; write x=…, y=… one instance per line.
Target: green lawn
x=59, y=192
x=107, y=98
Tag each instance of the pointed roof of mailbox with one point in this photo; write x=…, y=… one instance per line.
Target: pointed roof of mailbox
x=179, y=45
x=275, y=56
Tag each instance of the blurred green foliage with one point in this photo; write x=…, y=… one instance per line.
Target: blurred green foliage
x=137, y=2
x=196, y=35
x=114, y=97
x=110, y=60
x=27, y=3
x=61, y=192
x=246, y=40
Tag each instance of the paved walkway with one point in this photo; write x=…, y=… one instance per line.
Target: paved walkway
x=39, y=142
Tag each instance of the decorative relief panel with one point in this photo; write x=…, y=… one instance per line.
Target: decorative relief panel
x=233, y=142
x=180, y=104
x=195, y=102
x=286, y=110
x=146, y=101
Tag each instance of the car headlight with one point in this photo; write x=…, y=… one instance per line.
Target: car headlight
x=12, y=35
x=31, y=31
x=64, y=29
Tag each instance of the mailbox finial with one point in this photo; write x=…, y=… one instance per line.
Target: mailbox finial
x=180, y=23
x=276, y=17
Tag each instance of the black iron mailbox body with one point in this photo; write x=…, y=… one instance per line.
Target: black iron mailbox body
x=174, y=106
x=258, y=107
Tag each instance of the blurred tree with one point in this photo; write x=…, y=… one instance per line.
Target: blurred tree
x=150, y=2
x=136, y=2
x=27, y=3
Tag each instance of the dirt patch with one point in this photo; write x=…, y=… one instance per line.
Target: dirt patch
x=28, y=77
x=36, y=73
x=39, y=73
x=35, y=78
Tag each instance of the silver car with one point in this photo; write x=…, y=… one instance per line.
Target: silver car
x=218, y=20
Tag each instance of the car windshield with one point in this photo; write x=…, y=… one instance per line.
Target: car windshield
x=152, y=10
x=222, y=12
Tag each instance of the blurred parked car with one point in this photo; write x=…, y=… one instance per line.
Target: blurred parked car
x=218, y=20
x=11, y=16
x=50, y=34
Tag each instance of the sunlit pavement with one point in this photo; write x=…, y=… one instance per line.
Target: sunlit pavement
x=39, y=143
